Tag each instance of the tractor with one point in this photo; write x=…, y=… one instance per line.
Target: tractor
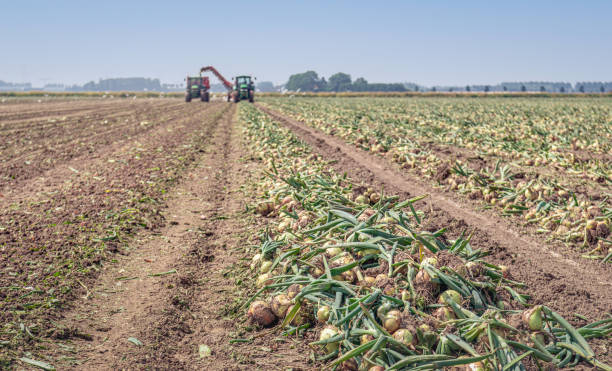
x=244, y=88
x=197, y=87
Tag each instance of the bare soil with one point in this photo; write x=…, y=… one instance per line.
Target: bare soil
x=39, y=145
x=555, y=278
x=141, y=235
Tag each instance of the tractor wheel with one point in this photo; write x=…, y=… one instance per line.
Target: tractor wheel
x=251, y=96
x=206, y=97
x=188, y=97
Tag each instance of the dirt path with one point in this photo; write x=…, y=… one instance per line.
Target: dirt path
x=560, y=282
x=203, y=279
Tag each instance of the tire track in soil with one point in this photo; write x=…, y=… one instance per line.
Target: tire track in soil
x=26, y=123
x=18, y=113
x=37, y=172
x=50, y=143
x=172, y=314
x=559, y=282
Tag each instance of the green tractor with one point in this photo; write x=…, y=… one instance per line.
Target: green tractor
x=244, y=88
x=197, y=87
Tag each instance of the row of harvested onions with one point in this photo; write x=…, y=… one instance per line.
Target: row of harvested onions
x=547, y=198
x=353, y=265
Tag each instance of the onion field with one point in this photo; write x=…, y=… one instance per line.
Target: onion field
x=362, y=233
x=548, y=162
x=382, y=289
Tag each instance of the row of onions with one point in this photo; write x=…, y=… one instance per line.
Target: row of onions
x=400, y=132
x=351, y=265
x=540, y=133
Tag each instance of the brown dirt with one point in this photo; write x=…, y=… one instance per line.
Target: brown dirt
x=60, y=226
x=38, y=146
x=204, y=240
x=49, y=109
x=554, y=278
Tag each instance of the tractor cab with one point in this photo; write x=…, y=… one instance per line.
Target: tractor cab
x=243, y=82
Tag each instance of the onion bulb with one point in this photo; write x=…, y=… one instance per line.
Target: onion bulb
x=265, y=266
x=369, y=280
x=265, y=208
x=349, y=365
x=532, y=318
x=360, y=199
x=293, y=290
x=279, y=305
x=333, y=251
x=323, y=313
x=404, y=336
x=449, y=295
x=444, y=314
x=431, y=261
x=365, y=338
x=328, y=333
x=475, y=366
x=283, y=226
x=286, y=200
x=261, y=313
x=263, y=280
x=255, y=261
x=392, y=320
x=374, y=198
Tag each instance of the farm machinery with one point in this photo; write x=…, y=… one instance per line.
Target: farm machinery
x=243, y=87
x=197, y=87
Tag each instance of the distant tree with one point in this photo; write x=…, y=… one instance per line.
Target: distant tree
x=602, y=89
x=90, y=86
x=505, y=88
x=542, y=89
x=322, y=85
x=433, y=89
x=487, y=88
x=339, y=82
x=307, y=81
x=523, y=88
x=581, y=88
x=467, y=88
x=562, y=90
x=450, y=90
x=416, y=88
x=265, y=86
x=386, y=87
x=360, y=84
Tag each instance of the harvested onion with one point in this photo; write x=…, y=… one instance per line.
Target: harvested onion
x=261, y=313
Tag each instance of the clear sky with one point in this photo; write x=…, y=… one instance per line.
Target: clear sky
x=428, y=42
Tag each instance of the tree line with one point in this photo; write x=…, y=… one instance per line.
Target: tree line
x=311, y=82
x=338, y=82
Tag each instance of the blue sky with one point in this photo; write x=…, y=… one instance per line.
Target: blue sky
x=428, y=42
